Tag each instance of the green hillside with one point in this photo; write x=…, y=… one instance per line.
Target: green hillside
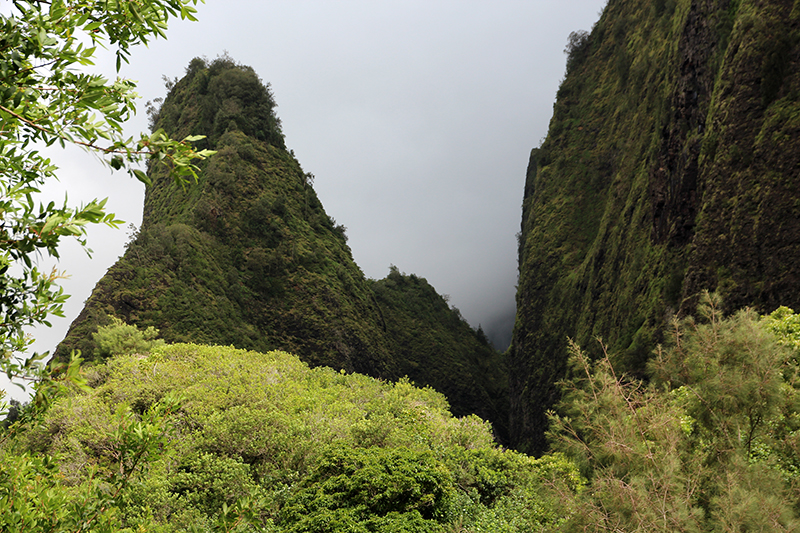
x=670, y=167
x=247, y=257
x=434, y=345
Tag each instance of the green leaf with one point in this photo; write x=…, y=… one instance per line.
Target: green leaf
x=142, y=176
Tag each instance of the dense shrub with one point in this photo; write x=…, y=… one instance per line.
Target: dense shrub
x=708, y=445
x=121, y=338
x=262, y=442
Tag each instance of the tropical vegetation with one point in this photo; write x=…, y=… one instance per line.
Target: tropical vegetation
x=195, y=414
x=208, y=438
x=45, y=99
x=669, y=168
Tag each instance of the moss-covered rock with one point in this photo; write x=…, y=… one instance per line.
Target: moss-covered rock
x=670, y=166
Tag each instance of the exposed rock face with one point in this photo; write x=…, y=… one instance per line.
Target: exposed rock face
x=248, y=257
x=672, y=166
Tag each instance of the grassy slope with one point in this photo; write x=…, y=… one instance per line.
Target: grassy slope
x=668, y=168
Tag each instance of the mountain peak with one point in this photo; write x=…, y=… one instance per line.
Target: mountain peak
x=247, y=256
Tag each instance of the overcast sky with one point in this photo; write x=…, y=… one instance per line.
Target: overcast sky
x=416, y=117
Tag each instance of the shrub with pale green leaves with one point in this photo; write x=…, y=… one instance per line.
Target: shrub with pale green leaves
x=709, y=444
x=120, y=338
x=262, y=442
x=785, y=323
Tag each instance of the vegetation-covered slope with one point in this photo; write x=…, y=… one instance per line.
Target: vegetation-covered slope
x=670, y=166
x=248, y=257
x=198, y=438
x=434, y=345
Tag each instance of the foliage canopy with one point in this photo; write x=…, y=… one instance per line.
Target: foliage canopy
x=262, y=442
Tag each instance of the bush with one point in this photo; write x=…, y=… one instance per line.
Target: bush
x=262, y=441
x=366, y=487
x=577, y=48
x=708, y=445
x=120, y=338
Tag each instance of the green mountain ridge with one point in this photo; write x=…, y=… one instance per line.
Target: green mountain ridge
x=248, y=257
x=670, y=167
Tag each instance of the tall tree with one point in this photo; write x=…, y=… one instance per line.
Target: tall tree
x=709, y=444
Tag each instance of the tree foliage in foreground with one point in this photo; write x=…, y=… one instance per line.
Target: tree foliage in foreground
x=45, y=99
x=199, y=438
x=35, y=498
x=261, y=442
x=709, y=445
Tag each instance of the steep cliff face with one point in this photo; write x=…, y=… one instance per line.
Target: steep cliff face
x=672, y=165
x=247, y=256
